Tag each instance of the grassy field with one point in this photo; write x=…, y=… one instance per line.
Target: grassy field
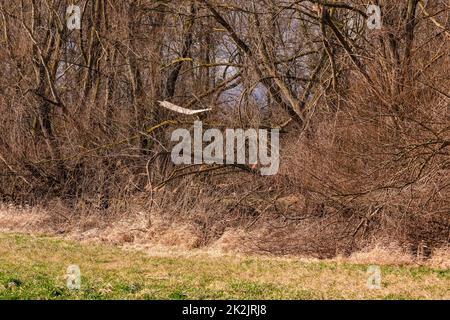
x=34, y=267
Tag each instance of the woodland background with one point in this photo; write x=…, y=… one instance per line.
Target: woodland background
x=365, y=117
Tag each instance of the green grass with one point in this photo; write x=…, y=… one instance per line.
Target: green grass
x=34, y=267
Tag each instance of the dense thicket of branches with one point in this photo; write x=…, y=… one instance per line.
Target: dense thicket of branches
x=365, y=114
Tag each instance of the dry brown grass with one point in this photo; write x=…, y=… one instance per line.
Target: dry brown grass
x=183, y=241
